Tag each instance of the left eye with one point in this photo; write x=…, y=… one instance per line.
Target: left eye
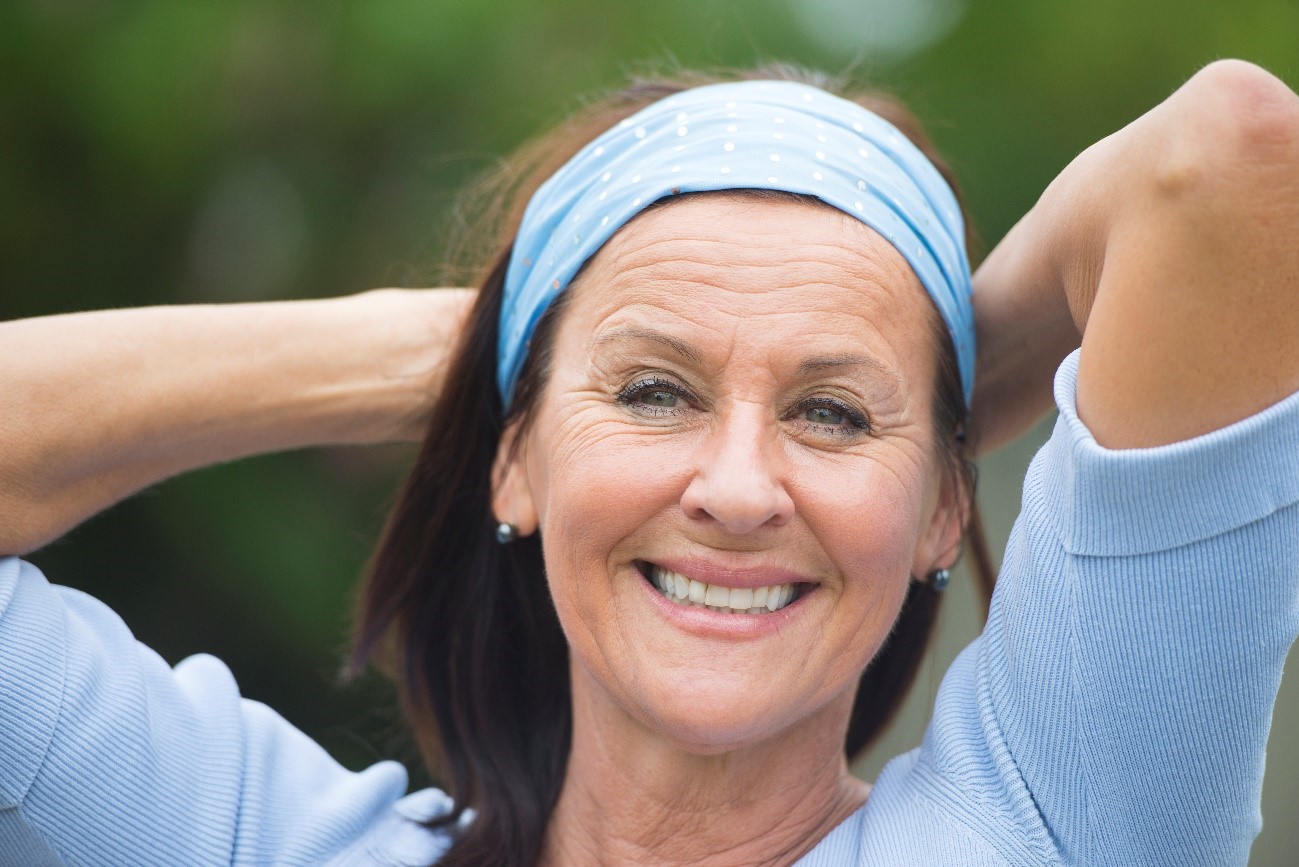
x=833, y=416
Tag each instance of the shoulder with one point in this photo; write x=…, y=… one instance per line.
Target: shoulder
x=109, y=755
x=917, y=814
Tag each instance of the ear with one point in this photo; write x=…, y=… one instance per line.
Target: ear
x=940, y=543
x=512, y=501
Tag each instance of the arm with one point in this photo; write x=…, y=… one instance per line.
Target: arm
x=96, y=406
x=1116, y=707
x=1169, y=246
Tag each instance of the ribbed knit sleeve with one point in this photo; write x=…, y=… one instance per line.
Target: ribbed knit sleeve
x=1116, y=708
x=110, y=757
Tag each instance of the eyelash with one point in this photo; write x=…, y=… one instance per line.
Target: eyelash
x=854, y=418
x=628, y=396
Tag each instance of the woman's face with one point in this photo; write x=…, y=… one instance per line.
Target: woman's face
x=732, y=465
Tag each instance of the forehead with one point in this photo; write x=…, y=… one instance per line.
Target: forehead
x=780, y=265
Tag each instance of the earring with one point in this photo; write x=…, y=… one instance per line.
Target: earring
x=506, y=533
x=940, y=579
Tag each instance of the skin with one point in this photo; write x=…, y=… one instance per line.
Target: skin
x=746, y=319
x=175, y=388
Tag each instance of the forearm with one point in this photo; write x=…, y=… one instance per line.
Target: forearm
x=96, y=406
x=1033, y=293
x=1024, y=330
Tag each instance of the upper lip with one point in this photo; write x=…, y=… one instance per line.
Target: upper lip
x=724, y=574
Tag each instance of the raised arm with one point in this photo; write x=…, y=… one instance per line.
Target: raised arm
x=1170, y=246
x=1116, y=707
x=96, y=406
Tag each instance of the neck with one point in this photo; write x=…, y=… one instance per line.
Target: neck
x=632, y=796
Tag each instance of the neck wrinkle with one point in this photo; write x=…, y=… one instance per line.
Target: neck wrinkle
x=630, y=796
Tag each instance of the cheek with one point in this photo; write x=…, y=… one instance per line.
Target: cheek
x=599, y=475
x=601, y=488
x=866, y=511
x=865, y=517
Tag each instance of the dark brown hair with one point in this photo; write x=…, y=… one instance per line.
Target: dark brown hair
x=466, y=626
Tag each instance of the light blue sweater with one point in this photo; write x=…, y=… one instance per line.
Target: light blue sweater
x=1115, y=709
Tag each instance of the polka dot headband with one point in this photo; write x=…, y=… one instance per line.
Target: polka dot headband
x=769, y=135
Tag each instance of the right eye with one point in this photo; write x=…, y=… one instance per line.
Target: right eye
x=654, y=396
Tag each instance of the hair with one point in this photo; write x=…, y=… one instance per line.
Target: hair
x=466, y=626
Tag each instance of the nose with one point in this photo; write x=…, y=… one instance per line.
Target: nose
x=738, y=481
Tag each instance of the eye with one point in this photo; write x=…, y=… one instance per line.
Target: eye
x=655, y=396
x=658, y=397
x=824, y=415
x=831, y=416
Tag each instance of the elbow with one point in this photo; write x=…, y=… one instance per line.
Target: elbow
x=1233, y=125
x=1250, y=110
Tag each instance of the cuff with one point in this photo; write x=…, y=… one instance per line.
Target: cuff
x=1115, y=502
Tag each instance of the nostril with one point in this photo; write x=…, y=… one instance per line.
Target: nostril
x=740, y=506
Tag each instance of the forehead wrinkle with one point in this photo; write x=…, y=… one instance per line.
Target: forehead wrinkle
x=726, y=265
x=836, y=231
x=878, y=260
x=679, y=283
x=654, y=262
x=635, y=311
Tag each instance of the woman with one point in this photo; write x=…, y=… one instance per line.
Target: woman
x=738, y=421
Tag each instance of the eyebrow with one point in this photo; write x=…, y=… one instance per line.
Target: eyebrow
x=680, y=347
x=821, y=363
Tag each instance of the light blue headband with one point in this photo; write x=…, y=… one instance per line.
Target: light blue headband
x=770, y=135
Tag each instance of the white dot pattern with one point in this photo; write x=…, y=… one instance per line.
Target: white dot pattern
x=694, y=142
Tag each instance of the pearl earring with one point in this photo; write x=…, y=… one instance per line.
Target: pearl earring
x=940, y=579
x=506, y=533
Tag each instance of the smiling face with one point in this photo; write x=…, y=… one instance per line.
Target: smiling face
x=733, y=465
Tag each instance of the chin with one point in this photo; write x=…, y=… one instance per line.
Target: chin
x=717, y=714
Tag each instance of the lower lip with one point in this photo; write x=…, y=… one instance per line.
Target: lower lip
x=707, y=623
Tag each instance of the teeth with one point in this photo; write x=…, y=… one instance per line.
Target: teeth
x=730, y=600
x=776, y=598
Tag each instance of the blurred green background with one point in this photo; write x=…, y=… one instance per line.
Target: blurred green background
x=162, y=152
